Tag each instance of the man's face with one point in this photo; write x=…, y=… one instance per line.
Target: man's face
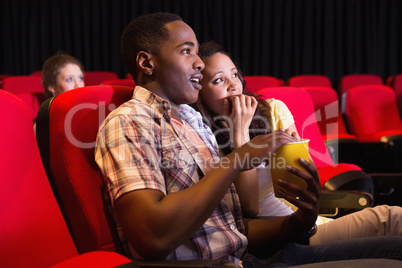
x=178, y=67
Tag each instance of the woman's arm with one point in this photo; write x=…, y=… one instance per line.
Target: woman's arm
x=267, y=234
x=238, y=121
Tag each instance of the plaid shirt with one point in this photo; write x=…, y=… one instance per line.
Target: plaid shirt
x=137, y=148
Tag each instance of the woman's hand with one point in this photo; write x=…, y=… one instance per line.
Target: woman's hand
x=238, y=118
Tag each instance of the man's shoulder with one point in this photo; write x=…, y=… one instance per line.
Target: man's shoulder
x=130, y=111
x=132, y=107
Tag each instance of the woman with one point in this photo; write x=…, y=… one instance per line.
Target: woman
x=62, y=73
x=235, y=116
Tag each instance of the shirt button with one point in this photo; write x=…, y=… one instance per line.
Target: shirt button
x=232, y=227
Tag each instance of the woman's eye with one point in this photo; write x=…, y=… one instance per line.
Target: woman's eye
x=216, y=81
x=81, y=79
x=235, y=75
x=69, y=79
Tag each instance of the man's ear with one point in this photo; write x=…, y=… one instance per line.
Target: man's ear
x=145, y=62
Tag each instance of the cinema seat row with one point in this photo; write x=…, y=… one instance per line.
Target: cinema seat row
x=54, y=211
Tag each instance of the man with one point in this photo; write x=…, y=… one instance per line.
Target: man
x=172, y=195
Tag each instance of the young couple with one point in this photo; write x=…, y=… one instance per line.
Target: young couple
x=173, y=195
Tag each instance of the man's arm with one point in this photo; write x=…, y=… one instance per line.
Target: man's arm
x=155, y=224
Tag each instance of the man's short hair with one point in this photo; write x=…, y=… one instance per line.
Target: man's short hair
x=145, y=33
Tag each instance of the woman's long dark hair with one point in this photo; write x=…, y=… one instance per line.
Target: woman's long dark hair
x=261, y=122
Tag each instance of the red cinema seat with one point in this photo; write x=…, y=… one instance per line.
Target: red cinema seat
x=342, y=146
x=92, y=78
x=257, y=82
x=128, y=82
x=37, y=73
x=310, y=80
x=372, y=113
x=352, y=80
x=395, y=82
x=2, y=77
x=29, y=89
x=66, y=132
x=328, y=114
x=67, y=127
x=341, y=176
x=33, y=232
x=373, y=117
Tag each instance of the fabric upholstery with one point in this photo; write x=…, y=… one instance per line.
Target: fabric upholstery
x=98, y=259
x=29, y=89
x=32, y=230
x=310, y=80
x=254, y=83
x=352, y=80
x=129, y=82
x=395, y=82
x=372, y=112
x=37, y=73
x=92, y=78
x=2, y=77
x=303, y=113
x=74, y=119
x=329, y=117
x=300, y=104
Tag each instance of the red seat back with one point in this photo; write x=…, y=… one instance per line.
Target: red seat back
x=257, y=82
x=33, y=232
x=37, y=73
x=128, y=82
x=332, y=177
x=395, y=82
x=92, y=78
x=372, y=112
x=73, y=121
x=29, y=89
x=310, y=80
x=329, y=117
x=300, y=104
x=352, y=80
x=23, y=84
x=2, y=77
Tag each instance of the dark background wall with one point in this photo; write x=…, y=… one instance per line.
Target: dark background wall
x=281, y=38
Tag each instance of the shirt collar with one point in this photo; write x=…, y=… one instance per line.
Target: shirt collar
x=161, y=105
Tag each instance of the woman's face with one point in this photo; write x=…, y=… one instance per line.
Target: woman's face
x=220, y=82
x=70, y=77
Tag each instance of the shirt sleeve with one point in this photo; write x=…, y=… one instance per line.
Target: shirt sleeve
x=280, y=114
x=128, y=154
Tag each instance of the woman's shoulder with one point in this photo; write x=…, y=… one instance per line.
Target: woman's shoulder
x=276, y=104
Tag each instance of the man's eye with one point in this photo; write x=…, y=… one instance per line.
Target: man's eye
x=186, y=51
